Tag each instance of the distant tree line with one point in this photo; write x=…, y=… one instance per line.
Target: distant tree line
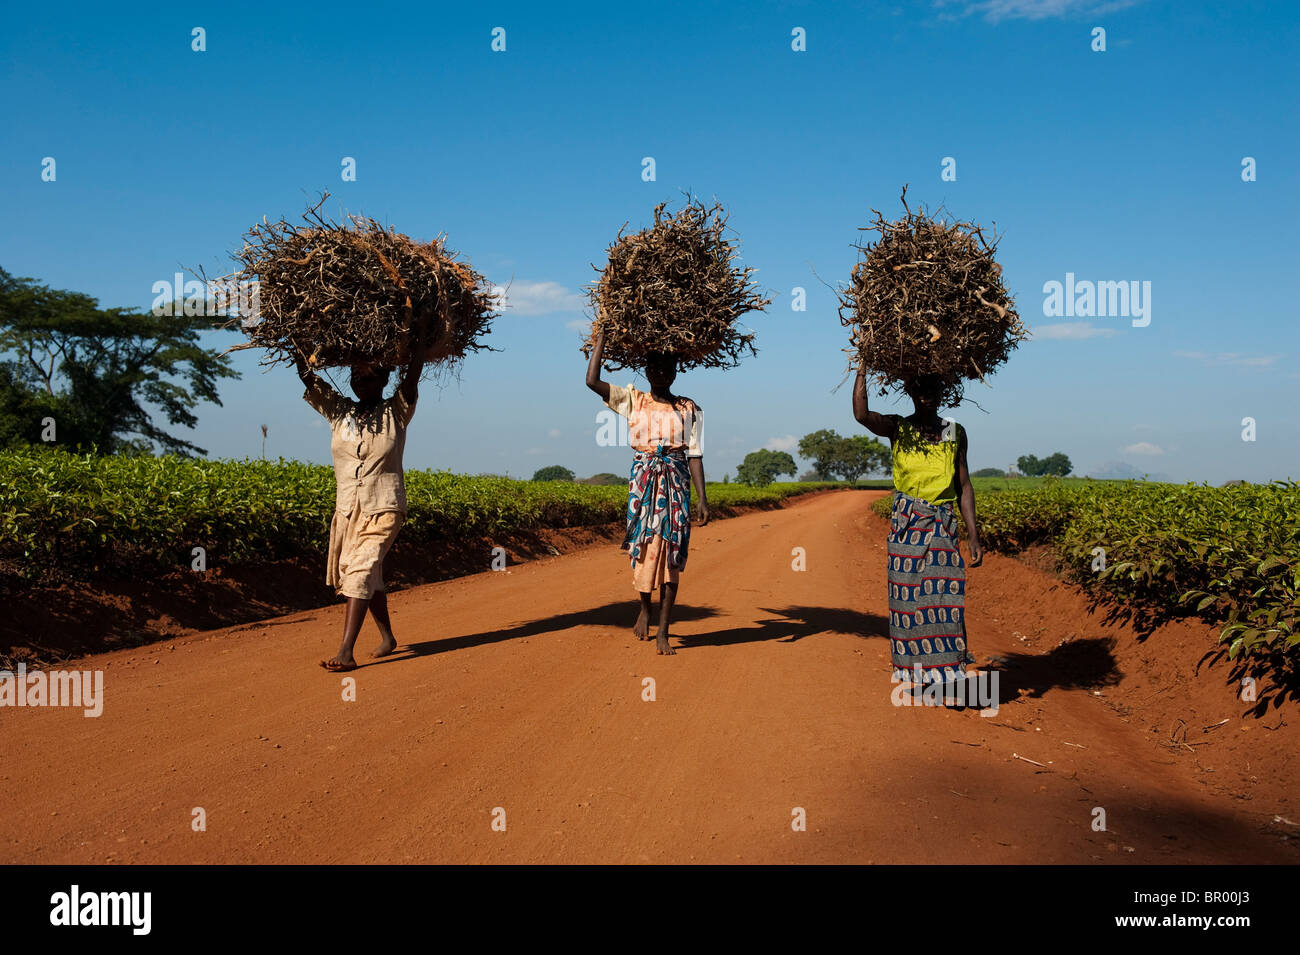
x=558, y=472
x=832, y=455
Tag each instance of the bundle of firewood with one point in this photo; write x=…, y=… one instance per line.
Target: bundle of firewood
x=926, y=298
x=675, y=289
x=341, y=294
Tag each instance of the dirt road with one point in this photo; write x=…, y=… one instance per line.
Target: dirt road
x=522, y=691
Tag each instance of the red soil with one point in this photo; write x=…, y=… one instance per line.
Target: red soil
x=523, y=690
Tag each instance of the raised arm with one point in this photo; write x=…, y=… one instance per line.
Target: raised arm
x=597, y=384
x=319, y=389
x=966, y=501
x=410, y=384
x=884, y=425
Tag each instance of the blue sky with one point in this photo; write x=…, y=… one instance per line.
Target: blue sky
x=1123, y=165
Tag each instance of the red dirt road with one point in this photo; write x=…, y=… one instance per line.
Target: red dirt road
x=523, y=690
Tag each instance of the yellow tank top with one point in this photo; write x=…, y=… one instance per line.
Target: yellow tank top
x=925, y=470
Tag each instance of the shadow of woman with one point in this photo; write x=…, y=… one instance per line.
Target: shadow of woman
x=794, y=623
x=619, y=615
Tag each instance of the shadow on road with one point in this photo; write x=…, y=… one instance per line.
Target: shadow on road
x=619, y=615
x=794, y=623
x=1076, y=664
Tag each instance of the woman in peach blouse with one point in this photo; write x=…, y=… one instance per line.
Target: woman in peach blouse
x=664, y=430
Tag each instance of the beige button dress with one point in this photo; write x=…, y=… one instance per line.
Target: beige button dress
x=370, y=503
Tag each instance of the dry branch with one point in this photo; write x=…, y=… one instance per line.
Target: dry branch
x=926, y=298
x=338, y=294
x=675, y=288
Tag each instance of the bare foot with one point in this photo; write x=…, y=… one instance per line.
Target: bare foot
x=641, y=629
x=386, y=646
x=663, y=648
x=339, y=665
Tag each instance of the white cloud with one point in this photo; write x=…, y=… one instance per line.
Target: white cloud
x=788, y=443
x=582, y=325
x=996, y=10
x=1235, y=359
x=1144, y=447
x=553, y=433
x=538, y=298
x=1070, y=331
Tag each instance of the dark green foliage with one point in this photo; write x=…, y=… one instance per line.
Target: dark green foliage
x=81, y=514
x=819, y=448
x=553, y=472
x=848, y=458
x=1056, y=464
x=761, y=467
x=95, y=370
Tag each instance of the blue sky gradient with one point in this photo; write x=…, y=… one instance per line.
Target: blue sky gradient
x=1115, y=165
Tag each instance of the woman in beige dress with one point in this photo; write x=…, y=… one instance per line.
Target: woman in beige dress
x=367, y=439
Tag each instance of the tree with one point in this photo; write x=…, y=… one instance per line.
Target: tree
x=761, y=467
x=989, y=473
x=1029, y=465
x=1032, y=466
x=554, y=472
x=819, y=448
x=94, y=370
x=852, y=457
x=1057, y=464
x=604, y=478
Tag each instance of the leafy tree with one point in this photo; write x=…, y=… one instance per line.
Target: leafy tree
x=1058, y=464
x=850, y=458
x=94, y=370
x=1029, y=465
x=1032, y=466
x=604, y=478
x=24, y=409
x=761, y=467
x=554, y=472
x=989, y=472
x=819, y=447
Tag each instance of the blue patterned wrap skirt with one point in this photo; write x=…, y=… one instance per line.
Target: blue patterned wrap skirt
x=927, y=593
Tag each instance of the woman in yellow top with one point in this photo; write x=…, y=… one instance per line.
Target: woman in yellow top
x=927, y=576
